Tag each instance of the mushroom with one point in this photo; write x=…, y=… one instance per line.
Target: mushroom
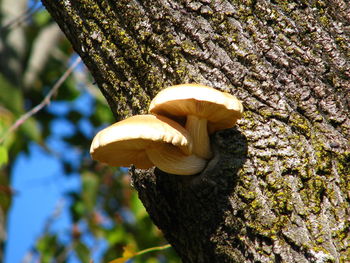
x=145, y=141
x=205, y=110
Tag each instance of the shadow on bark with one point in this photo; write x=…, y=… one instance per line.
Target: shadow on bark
x=174, y=202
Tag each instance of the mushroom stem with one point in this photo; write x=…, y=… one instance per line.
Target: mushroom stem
x=197, y=127
x=170, y=159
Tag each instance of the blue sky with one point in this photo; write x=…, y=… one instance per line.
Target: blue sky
x=40, y=184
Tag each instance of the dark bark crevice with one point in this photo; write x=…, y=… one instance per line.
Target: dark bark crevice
x=186, y=204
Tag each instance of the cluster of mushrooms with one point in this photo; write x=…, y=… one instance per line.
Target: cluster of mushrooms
x=175, y=136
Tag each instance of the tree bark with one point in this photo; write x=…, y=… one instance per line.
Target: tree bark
x=278, y=188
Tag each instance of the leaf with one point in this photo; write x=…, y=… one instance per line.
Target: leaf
x=31, y=130
x=48, y=246
x=90, y=190
x=130, y=253
x=115, y=235
x=41, y=18
x=68, y=91
x=6, y=193
x=77, y=210
x=10, y=96
x=119, y=260
x=102, y=115
x=127, y=254
x=3, y=156
x=137, y=207
x=74, y=116
x=83, y=252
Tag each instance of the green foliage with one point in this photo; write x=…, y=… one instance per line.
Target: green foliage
x=41, y=19
x=48, y=247
x=83, y=252
x=3, y=156
x=10, y=96
x=30, y=129
x=102, y=115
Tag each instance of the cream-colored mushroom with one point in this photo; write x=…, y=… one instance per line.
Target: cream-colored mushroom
x=205, y=109
x=147, y=140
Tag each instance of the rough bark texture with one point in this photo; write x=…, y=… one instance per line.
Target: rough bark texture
x=278, y=189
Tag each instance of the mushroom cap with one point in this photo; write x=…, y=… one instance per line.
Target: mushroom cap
x=221, y=109
x=124, y=143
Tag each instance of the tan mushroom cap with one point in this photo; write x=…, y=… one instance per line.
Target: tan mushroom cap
x=125, y=142
x=221, y=109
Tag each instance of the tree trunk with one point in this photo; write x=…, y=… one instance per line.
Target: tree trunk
x=278, y=189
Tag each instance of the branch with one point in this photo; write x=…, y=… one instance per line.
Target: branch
x=44, y=102
x=21, y=18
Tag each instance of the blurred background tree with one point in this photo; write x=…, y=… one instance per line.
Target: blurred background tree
x=34, y=54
